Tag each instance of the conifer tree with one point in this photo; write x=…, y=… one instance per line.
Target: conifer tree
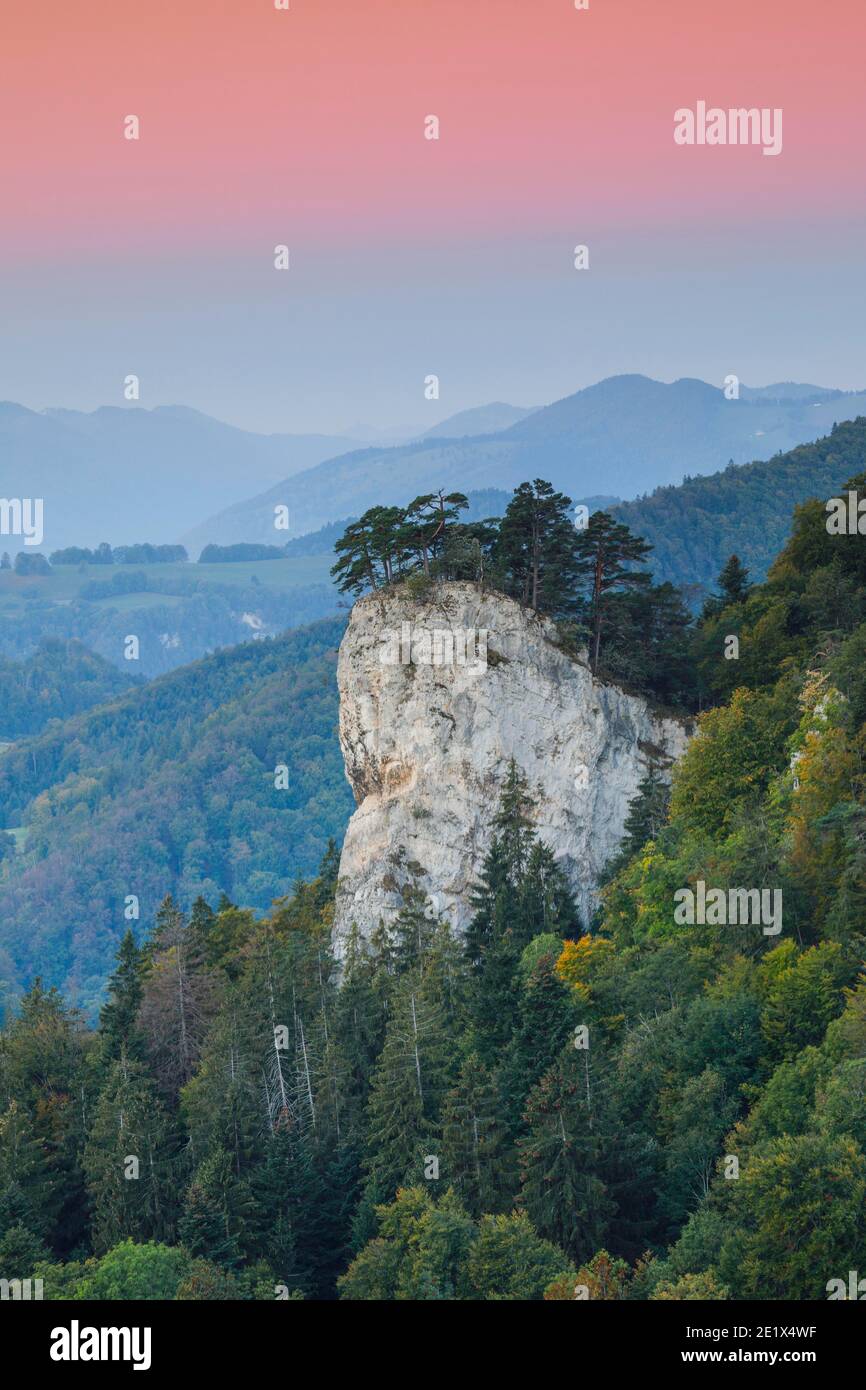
x=606, y=556
x=521, y=892
x=177, y=1001
x=425, y=521
x=414, y=1071
x=127, y=1159
x=118, y=1024
x=733, y=581
x=562, y=1188
x=475, y=1155
x=546, y=1019
x=537, y=549
x=647, y=814
x=218, y=1213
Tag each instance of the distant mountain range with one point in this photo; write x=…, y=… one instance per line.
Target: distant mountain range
x=124, y=475
x=128, y=474
x=623, y=436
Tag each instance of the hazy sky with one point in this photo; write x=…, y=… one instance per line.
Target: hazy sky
x=409, y=256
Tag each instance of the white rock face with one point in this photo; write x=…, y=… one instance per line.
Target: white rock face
x=427, y=739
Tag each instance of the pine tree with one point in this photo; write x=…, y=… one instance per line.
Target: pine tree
x=424, y=524
x=537, y=549
x=218, y=1213
x=647, y=814
x=546, y=1018
x=607, y=554
x=127, y=1159
x=118, y=1018
x=475, y=1155
x=370, y=551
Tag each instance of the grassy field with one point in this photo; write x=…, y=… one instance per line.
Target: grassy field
x=65, y=583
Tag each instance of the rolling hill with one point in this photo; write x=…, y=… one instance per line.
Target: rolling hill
x=696, y=526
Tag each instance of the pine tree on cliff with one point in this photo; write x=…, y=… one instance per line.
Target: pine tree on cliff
x=425, y=522
x=537, y=549
x=607, y=554
x=370, y=551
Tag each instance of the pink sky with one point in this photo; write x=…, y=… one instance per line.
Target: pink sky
x=306, y=125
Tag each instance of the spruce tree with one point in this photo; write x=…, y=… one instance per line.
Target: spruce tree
x=546, y=1019
x=476, y=1159
x=219, y=1212
x=646, y=816
x=118, y=1018
x=733, y=588
x=127, y=1160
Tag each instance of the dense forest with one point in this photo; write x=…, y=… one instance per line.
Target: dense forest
x=647, y=1109
x=172, y=786
x=58, y=680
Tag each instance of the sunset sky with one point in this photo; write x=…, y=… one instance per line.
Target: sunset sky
x=408, y=256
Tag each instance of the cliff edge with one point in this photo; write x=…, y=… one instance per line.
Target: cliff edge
x=436, y=696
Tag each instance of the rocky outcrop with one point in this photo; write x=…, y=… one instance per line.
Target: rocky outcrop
x=436, y=696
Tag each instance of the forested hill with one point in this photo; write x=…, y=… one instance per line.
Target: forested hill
x=59, y=679
x=745, y=509
x=530, y=1107
x=170, y=787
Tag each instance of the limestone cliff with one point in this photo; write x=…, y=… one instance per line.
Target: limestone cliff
x=436, y=696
